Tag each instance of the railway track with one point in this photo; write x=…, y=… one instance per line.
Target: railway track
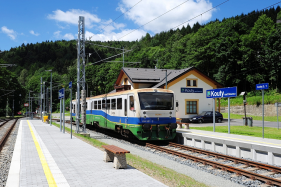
x=204, y=157
x=4, y=134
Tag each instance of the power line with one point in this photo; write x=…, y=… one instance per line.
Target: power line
x=154, y=19
x=200, y=14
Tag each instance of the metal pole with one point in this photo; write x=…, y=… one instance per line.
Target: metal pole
x=63, y=114
x=51, y=102
x=71, y=112
x=262, y=113
x=123, y=57
x=229, y=115
x=60, y=116
x=41, y=99
x=29, y=102
x=13, y=105
x=166, y=80
x=277, y=116
x=214, y=111
x=31, y=116
x=43, y=96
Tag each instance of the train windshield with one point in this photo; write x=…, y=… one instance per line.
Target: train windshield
x=156, y=101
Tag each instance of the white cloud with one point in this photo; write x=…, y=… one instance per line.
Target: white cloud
x=108, y=27
x=57, y=34
x=68, y=36
x=115, y=36
x=72, y=17
x=33, y=33
x=10, y=32
x=148, y=10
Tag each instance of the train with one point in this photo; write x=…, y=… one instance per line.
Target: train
x=145, y=114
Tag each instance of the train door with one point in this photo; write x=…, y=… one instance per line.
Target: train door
x=107, y=112
x=126, y=111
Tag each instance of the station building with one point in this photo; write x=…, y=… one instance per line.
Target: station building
x=189, y=86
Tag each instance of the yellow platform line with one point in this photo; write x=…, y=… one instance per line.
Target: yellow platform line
x=47, y=171
x=234, y=138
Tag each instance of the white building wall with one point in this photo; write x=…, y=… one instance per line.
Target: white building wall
x=144, y=85
x=204, y=103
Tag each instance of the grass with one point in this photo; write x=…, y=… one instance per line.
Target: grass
x=259, y=118
x=269, y=132
x=165, y=175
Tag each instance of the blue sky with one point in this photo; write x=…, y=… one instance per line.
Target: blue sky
x=32, y=21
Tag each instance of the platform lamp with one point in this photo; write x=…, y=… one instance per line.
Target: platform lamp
x=245, y=103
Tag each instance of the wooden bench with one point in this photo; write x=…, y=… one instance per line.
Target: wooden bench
x=115, y=154
x=180, y=125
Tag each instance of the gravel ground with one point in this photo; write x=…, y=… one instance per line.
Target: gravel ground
x=7, y=154
x=186, y=167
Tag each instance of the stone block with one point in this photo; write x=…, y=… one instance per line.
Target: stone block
x=108, y=156
x=120, y=161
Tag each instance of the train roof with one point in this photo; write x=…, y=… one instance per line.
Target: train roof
x=129, y=91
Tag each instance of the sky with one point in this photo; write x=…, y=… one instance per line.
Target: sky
x=32, y=21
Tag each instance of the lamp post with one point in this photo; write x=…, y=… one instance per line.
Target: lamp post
x=29, y=101
x=50, y=98
x=43, y=96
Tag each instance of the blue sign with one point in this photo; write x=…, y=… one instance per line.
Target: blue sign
x=61, y=93
x=191, y=90
x=262, y=86
x=70, y=84
x=222, y=92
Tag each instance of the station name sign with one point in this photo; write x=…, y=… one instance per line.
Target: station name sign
x=61, y=93
x=262, y=86
x=222, y=92
x=191, y=90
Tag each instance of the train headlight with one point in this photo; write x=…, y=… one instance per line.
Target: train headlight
x=171, y=112
x=144, y=112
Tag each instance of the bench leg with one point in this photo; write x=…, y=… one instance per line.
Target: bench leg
x=120, y=161
x=186, y=126
x=179, y=126
x=108, y=156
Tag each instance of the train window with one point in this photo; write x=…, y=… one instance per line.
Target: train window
x=119, y=103
x=86, y=105
x=103, y=104
x=108, y=104
x=132, y=105
x=99, y=104
x=113, y=104
x=73, y=108
x=125, y=111
x=95, y=105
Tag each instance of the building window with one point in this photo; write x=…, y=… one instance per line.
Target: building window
x=126, y=81
x=191, y=82
x=191, y=106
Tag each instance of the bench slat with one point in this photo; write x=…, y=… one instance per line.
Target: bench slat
x=115, y=149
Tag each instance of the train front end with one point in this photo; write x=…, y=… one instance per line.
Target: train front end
x=157, y=117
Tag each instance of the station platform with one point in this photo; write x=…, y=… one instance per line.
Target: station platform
x=44, y=156
x=255, y=148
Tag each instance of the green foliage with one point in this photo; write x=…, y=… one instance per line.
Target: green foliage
x=239, y=51
x=269, y=132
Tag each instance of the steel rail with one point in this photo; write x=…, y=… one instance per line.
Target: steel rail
x=4, y=139
x=214, y=164
x=231, y=158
